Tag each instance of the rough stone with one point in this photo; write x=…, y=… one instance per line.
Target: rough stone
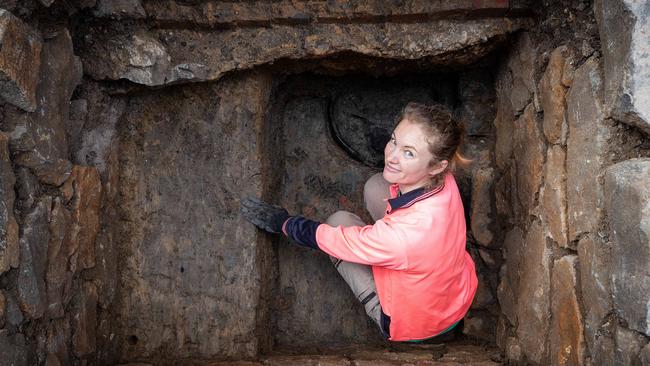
x=181, y=236
x=9, y=248
x=98, y=137
x=492, y=258
x=85, y=208
x=27, y=188
x=505, y=194
x=553, y=196
x=85, y=321
x=533, y=295
x=504, y=119
x=58, y=279
x=513, y=350
x=20, y=60
x=3, y=309
x=509, y=285
x=484, y=294
x=309, y=360
x=628, y=347
x=39, y=139
x=552, y=94
x=567, y=344
x=14, y=315
x=164, y=56
x=482, y=213
x=595, y=285
x=480, y=325
x=218, y=13
x=521, y=64
x=120, y=9
x=586, y=145
x=76, y=121
x=34, y=238
x=530, y=150
x=14, y=350
x=623, y=26
x=627, y=202
x=58, y=339
x=603, y=350
x=644, y=355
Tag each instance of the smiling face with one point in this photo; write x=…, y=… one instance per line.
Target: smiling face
x=407, y=158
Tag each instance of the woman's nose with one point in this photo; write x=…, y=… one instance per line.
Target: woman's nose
x=391, y=153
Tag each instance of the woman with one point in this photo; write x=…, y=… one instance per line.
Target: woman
x=410, y=268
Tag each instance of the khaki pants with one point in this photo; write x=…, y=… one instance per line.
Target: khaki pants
x=358, y=276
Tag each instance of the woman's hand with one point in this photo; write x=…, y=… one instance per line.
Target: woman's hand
x=263, y=215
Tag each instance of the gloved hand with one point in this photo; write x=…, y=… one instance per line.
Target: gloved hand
x=263, y=215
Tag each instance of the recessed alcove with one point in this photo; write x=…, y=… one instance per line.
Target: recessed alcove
x=130, y=130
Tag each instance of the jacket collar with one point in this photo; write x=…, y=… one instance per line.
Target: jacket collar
x=408, y=199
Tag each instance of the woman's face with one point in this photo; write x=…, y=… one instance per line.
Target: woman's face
x=407, y=157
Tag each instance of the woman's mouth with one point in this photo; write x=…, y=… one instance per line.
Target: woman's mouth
x=391, y=169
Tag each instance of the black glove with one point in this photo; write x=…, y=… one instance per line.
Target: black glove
x=263, y=215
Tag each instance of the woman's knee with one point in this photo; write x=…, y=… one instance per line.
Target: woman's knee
x=344, y=218
x=375, y=192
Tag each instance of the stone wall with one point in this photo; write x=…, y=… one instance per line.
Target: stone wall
x=120, y=239
x=565, y=194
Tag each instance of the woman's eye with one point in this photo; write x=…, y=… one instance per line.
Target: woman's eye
x=408, y=154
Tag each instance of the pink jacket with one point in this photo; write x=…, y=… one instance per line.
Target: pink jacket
x=425, y=278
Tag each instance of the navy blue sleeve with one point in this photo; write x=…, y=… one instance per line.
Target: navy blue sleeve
x=302, y=231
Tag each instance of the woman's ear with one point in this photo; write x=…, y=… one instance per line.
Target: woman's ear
x=439, y=168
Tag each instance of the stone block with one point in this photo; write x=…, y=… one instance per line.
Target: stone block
x=58, y=339
x=39, y=140
x=595, y=284
x=530, y=152
x=586, y=147
x=85, y=321
x=97, y=140
x=644, y=355
x=623, y=27
x=120, y=9
x=628, y=346
x=504, y=119
x=521, y=64
x=15, y=351
x=20, y=60
x=14, y=314
x=482, y=214
x=27, y=188
x=58, y=278
x=3, y=309
x=603, y=349
x=513, y=350
x=553, y=196
x=87, y=188
x=9, y=248
x=161, y=56
x=627, y=202
x=567, y=343
x=533, y=295
x=182, y=235
x=552, y=92
x=509, y=285
x=34, y=238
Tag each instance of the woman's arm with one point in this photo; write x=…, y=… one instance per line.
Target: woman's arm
x=380, y=244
